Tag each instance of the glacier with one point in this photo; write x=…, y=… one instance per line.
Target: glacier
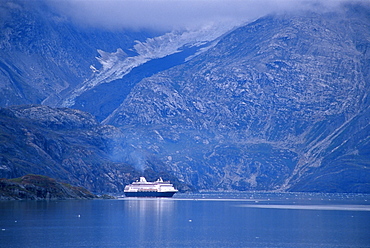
x=117, y=64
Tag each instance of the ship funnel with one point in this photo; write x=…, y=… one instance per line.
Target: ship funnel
x=142, y=180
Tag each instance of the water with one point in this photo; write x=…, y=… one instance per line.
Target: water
x=197, y=220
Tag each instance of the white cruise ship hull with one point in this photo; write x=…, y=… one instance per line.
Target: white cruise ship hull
x=149, y=194
x=143, y=188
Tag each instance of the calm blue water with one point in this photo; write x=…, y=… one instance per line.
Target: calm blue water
x=199, y=220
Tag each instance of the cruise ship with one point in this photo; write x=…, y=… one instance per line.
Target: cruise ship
x=143, y=188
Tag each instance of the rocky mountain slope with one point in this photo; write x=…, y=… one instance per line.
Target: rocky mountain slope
x=68, y=145
x=279, y=104
x=44, y=57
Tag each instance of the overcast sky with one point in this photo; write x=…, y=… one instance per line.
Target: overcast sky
x=169, y=14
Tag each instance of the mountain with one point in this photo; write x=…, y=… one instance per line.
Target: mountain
x=68, y=145
x=109, y=86
x=44, y=56
x=279, y=104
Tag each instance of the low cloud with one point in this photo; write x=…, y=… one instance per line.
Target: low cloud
x=176, y=14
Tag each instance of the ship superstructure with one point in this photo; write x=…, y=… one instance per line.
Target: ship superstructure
x=143, y=188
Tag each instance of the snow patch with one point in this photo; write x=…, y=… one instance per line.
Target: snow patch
x=118, y=64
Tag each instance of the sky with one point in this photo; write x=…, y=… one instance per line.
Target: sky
x=176, y=14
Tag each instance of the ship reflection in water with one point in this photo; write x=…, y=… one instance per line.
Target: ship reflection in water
x=142, y=206
x=150, y=218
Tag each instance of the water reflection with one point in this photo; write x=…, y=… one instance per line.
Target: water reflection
x=207, y=220
x=150, y=218
x=158, y=205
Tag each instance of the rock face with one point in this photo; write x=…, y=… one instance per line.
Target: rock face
x=47, y=59
x=43, y=56
x=36, y=187
x=279, y=104
x=68, y=145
